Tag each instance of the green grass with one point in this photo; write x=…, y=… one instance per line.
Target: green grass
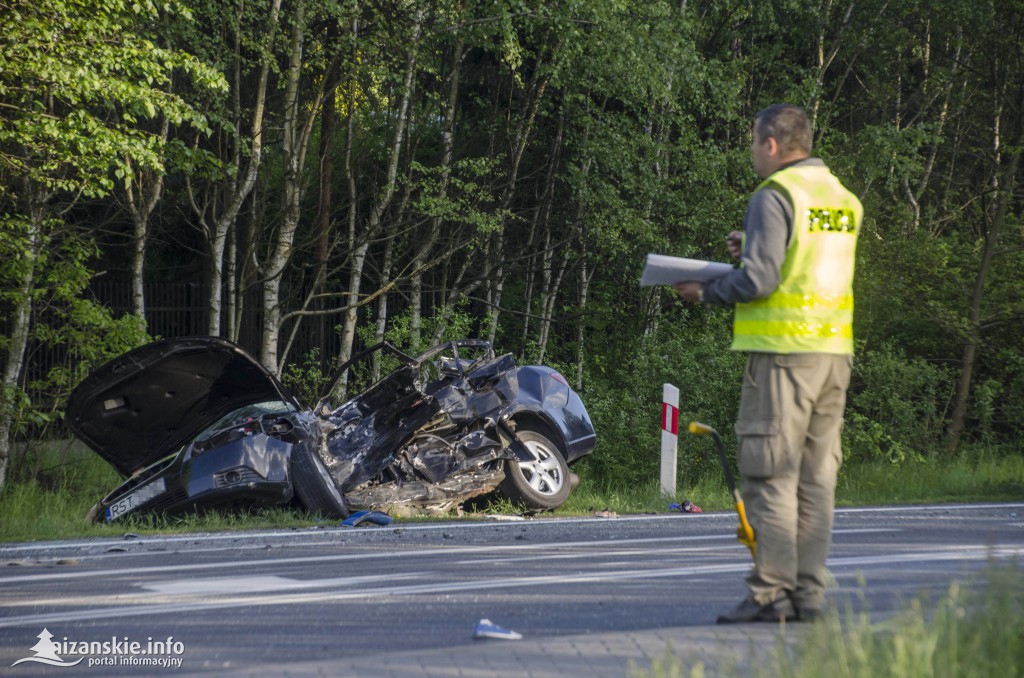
x=966, y=478
x=710, y=493
x=31, y=512
x=968, y=631
x=61, y=488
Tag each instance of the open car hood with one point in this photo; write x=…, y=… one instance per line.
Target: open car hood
x=147, y=403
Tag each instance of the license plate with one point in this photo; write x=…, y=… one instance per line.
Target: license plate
x=136, y=499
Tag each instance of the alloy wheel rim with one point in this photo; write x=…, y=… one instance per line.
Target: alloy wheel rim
x=542, y=472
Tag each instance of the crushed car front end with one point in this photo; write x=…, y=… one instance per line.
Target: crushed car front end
x=197, y=423
x=248, y=466
x=444, y=428
x=242, y=461
x=190, y=423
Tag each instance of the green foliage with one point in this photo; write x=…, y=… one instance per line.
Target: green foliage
x=82, y=89
x=89, y=336
x=583, y=136
x=972, y=629
x=1009, y=407
x=465, y=199
x=306, y=379
x=866, y=439
x=624, y=398
x=895, y=407
x=77, y=80
x=84, y=333
x=456, y=321
x=51, y=487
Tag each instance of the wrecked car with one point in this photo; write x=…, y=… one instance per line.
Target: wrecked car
x=197, y=423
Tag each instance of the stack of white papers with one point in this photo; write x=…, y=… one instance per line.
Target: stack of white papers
x=662, y=269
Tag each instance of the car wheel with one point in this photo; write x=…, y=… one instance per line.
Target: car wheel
x=543, y=481
x=314, y=485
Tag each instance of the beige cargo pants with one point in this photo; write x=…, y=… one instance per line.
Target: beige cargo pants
x=789, y=423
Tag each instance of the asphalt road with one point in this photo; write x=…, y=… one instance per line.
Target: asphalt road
x=258, y=600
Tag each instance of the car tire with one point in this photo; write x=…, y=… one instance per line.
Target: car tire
x=541, y=483
x=314, y=486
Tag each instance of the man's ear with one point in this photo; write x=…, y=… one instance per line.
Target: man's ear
x=773, y=146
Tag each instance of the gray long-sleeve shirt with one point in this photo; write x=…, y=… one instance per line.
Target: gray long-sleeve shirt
x=768, y=223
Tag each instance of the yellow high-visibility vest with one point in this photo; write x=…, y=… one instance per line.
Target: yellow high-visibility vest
x=811, y=311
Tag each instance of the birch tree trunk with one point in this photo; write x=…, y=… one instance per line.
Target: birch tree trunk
x=520, y=140
x=546, y=254
x=382, y=307
x=293, y=153
x=20, y=323
x=1005, y=187
x=549, y=295
x=586, y=274
x=297, y=133
x=217, y=232
x=141, y=205
x=381, y=204
x=428, y=245
x=322, y=225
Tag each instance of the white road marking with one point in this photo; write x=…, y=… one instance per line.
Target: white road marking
x=468, y=586
x=332, y=531
x=221, y=585
x=260, y=583
x=931, y=507
x=635, y=552
x=200, y=590
x=271, y=562
x=475, y=550
x=589, y=555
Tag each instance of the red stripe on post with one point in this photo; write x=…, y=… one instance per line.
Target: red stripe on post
x=670, y=419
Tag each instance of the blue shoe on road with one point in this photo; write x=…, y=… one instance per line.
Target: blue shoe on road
x=375, y=517
x=485, y=628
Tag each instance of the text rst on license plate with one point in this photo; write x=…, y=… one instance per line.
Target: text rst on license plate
x=136, y=499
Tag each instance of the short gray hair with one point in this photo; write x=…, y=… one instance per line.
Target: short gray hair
x=788, y=125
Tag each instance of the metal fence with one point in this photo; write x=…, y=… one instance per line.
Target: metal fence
x=173, y=309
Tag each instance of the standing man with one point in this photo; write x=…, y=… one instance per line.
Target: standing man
x=794, y=314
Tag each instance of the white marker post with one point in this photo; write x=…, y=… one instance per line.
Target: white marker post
x=669, y=438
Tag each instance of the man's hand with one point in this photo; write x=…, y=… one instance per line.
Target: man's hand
x=735, y=244
x=690, y=291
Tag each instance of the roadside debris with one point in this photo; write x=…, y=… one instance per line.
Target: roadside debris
x=485, y=628
x=359, y=517
x=45, y=562
x=606, y=514
x=686, y=507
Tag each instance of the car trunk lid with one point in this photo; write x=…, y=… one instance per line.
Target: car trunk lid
x=147, y=403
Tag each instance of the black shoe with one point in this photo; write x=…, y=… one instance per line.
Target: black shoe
x=808, y=614
x=750, y=611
